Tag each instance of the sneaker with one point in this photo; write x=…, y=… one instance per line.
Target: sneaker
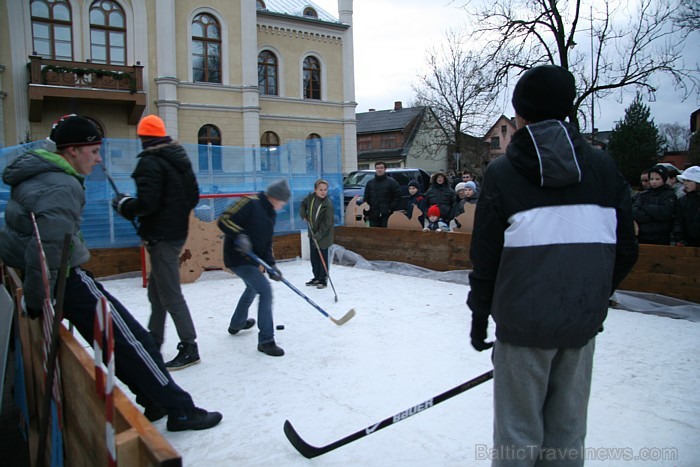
x=154, y=412
x=322, y=285
x=187, y=355
x=313, y=282
x=249, y=323
x=271, y=349
x=193, y=419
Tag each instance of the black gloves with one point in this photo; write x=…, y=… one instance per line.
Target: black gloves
x=478, y=333
x=118, y=204
x=243, y=244
x=275, y=274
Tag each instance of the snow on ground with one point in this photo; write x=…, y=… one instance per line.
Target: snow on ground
x=408, y=342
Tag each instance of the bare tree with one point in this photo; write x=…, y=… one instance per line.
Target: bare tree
x=689, y=16
x=630, y=44
x=458, y=87
x=676, y=136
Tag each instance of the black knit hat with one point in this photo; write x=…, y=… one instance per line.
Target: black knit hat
x=661, y=170
x=544, y=92
x=414, y=183
x=72, y=130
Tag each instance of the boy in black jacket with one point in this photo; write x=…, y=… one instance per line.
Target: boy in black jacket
x=553, y=237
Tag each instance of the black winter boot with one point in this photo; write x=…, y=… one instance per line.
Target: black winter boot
x=271, y=349
x=188, y=354
x=249, y=323
x=313, y=282
x=193, y=419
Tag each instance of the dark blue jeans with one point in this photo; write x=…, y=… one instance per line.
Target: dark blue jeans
x=256, y=284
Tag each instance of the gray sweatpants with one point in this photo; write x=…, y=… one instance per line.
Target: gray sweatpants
x=165, y=294
x=540, y=405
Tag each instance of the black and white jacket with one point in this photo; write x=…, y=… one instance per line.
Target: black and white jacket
x=553, y=238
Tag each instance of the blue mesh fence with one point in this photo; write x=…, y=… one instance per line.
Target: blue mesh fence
x=219, y=170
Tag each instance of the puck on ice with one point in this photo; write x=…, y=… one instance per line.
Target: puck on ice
x=280, y=327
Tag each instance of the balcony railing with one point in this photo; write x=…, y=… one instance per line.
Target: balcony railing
x=58, y=79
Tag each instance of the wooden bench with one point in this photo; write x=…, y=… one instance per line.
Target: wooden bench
x=138, y=443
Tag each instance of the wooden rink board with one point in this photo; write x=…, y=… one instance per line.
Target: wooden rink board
x=138, y=443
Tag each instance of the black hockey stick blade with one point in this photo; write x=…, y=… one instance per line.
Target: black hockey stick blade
x=309, y=451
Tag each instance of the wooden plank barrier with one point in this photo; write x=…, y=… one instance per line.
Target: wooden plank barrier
x=138, y=443
x=666, y=270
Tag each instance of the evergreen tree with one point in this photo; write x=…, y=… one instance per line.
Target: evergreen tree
x=635, y=142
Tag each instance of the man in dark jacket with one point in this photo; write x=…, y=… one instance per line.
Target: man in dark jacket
x=553, y=237
x=166, y=193
x=51, y=185
x=383, y=194
x=248, y=225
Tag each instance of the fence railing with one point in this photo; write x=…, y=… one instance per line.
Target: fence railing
x=219, y=169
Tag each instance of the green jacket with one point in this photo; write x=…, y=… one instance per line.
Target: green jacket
x=318, y=213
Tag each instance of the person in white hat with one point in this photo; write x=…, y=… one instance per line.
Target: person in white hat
x=686, y=227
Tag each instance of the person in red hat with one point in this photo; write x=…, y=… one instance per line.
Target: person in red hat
x=166, y=193
x=434, y=222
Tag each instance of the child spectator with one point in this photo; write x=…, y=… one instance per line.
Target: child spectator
x=653, y=209
x=416, y=199
x=686, y=229
x=434, y=222
x=317, y=210
x=471, y=193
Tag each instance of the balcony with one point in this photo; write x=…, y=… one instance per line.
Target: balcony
x=58, y=80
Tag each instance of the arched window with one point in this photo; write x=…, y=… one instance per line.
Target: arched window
x=310, y=13
x=107, y=33
x=52, y=30
x=267, y=73
x=260, y=5
x=269, y=152
x=312, y=78
x=313, y=151
x=209, y=140
x=206, y=49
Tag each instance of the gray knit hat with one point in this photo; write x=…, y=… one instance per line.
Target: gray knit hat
x=279, y=190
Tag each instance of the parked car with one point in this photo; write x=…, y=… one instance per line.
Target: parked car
x=355, y=183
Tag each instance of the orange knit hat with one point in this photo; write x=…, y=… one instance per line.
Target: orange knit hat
x=151, y=125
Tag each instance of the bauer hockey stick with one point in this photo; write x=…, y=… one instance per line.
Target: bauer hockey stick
x=344, y=319
x=310, y=451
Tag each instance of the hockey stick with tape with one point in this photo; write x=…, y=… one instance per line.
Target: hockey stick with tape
x=52, y=354
x=309, y=451
x=344, y=319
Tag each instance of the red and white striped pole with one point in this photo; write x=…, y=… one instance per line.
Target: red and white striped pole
x=104, y=377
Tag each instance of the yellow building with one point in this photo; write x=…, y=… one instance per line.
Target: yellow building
x=241, y=73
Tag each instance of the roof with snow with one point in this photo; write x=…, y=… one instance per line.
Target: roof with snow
x=296, y=8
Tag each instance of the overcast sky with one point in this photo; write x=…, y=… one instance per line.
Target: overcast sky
x=392, y=36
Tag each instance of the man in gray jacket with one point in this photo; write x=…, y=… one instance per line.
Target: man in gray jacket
x=51, y=186
x=553, y=238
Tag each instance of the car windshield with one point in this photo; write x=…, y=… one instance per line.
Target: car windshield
x=359, y=178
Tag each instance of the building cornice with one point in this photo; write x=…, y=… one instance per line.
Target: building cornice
x=298, y=33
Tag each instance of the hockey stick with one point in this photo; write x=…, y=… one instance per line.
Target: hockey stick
x=116, y=191
x=53, y=344
x=310, y=451
x=323, y=261
x=267, y=267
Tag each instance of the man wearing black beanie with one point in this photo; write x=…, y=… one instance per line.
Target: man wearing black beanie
x=553, y=238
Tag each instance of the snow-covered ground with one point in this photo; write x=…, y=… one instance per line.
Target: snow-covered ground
x=408, y=342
